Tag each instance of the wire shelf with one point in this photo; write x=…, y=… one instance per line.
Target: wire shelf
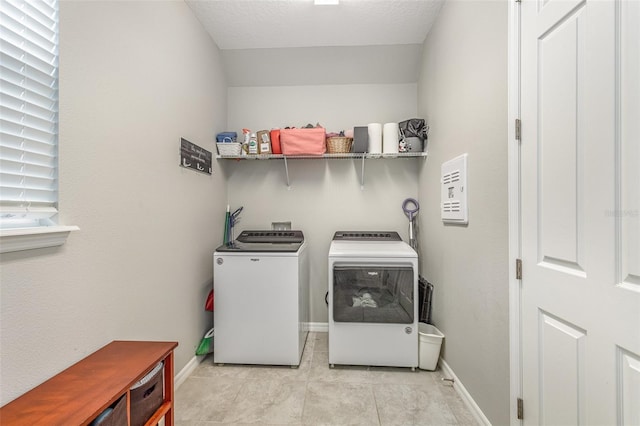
x=348, y=155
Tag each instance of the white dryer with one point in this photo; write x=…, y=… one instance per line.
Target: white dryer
x=261, y=287
x=373, y=310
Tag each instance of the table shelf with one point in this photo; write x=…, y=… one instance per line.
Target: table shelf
x=77, y=395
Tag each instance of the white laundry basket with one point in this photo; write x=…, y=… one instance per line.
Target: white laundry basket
x=429, y=346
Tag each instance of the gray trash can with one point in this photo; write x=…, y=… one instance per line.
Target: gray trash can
x=429, y=346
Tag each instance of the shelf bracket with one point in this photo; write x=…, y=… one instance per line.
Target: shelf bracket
x=286, y=171
x=362, y=174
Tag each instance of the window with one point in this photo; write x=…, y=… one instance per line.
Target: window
x=28, y=119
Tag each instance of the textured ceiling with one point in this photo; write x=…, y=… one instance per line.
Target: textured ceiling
x=294, y=42
x=263, y=24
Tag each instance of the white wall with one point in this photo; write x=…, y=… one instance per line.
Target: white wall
x=325, y=195
x=134, y=78
x=463, y=95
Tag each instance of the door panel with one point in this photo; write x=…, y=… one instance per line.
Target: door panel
x=562, y=358
x=629, y=387
x=580, y=189
x=551, y=13
x=559, y=90
x=628, y=209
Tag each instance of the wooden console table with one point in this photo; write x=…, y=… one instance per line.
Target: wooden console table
x=80, y=393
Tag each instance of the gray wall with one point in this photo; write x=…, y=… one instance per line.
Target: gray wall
x=134, y=78
x=463, y=94
x=299, y=66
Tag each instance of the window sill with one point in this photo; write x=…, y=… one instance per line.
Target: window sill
x=32, y=238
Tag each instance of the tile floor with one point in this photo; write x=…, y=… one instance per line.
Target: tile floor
x=314, y=394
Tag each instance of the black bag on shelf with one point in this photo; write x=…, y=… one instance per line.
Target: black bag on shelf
x=413, y=135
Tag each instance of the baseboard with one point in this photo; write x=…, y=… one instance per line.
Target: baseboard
x=464, y=394
x=186, y=371
x=322, y=327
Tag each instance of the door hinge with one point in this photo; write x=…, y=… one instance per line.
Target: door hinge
x=518, y=129
x=518, y=269
x=520, y=409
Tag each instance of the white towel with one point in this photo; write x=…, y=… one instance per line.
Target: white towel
x=365, y=301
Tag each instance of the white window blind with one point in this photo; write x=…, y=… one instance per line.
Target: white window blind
x=28, y=112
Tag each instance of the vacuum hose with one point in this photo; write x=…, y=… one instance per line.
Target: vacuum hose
x=411, y=213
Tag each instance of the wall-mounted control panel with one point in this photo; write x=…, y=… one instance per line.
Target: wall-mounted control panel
x=453, y=192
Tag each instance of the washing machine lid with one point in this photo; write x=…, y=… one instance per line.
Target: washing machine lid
x=265, y=241
x=347, y=244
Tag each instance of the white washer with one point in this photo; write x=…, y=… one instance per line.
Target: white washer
x=373, y=310
x=261, y=288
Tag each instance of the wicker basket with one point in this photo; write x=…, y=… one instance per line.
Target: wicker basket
x=229, y=148
x=339, y=144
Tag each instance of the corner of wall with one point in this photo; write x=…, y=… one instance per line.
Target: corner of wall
x=462, y=92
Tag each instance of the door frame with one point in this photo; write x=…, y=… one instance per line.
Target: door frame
x=514, y=206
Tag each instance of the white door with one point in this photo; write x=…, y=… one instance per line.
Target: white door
x=580, y=194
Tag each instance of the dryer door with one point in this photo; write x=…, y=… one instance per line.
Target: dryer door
x=373, y=294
